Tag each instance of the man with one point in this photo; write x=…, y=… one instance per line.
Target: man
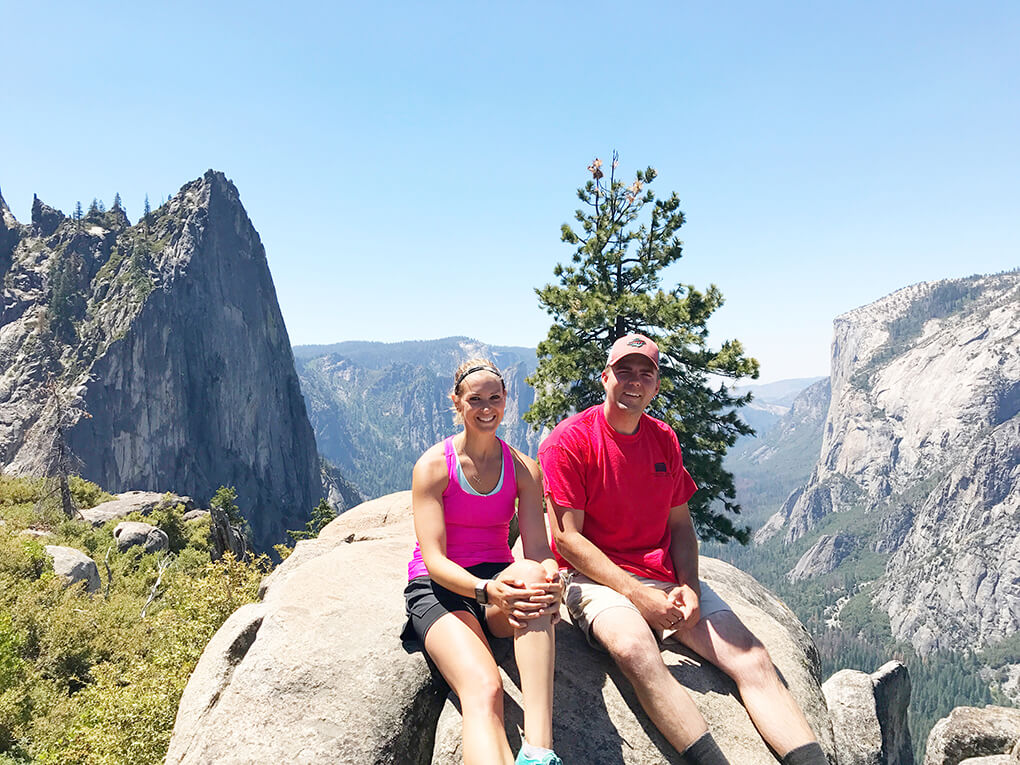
x=617, y=493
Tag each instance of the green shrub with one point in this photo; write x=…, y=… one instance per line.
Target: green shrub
x=86, y=679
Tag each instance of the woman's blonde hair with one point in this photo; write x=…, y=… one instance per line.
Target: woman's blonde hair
x=469, y=367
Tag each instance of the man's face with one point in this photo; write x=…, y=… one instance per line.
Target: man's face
x=631, y=383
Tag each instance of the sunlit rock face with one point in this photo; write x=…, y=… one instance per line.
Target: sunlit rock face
x=161, y=349
x=920, y=455
x=317, y=672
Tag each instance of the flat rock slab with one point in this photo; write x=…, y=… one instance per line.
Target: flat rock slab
x=316, y=672
x=143, y=502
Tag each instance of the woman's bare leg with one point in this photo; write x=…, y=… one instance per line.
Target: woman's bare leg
x=458, y=646
x=535, y=651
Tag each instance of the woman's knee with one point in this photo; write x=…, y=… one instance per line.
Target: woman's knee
x=528, y=571
x=483, y=691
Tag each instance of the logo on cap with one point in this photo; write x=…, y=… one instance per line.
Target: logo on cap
x=637, y=342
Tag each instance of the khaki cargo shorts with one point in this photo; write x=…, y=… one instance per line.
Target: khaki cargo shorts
x=586, y=599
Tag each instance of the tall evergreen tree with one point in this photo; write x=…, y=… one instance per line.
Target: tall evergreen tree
x=612, y=288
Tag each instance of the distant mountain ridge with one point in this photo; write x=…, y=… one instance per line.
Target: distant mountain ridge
x=435, y=354
x=779, y=458
x=405, y=386
x=161, y=348
x=375, y=407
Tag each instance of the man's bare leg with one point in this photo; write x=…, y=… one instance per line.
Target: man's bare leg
x=625, y=635
x=722, y=639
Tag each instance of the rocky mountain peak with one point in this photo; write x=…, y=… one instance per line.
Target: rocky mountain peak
x=8, y=238
x=45, y=219
x=117, y=219
x=917, y=378
x=169, y=337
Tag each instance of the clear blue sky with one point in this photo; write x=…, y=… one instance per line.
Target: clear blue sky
x=408, y=165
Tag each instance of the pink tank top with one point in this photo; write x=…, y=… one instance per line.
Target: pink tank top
x=477, y=525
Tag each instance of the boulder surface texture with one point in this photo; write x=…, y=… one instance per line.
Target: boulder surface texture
x=869, y=715
x=137, y=534
x=316, y=672
x=974, y=732
x=74, y=566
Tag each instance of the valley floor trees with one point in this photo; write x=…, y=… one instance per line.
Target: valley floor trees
x=612, y=287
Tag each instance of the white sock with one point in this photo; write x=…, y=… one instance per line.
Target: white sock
x=532, y=751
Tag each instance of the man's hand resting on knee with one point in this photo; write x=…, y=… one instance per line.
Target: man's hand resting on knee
x=659, y=609
x=688, y=602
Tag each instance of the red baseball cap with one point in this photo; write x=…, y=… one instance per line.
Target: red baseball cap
x=634, y=343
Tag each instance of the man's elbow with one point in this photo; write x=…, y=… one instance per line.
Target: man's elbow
x=559, y=535
x=566, y=545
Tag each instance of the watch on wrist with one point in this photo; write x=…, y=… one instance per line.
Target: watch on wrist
x=481, y=594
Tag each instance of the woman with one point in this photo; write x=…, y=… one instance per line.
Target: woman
x=463, y=581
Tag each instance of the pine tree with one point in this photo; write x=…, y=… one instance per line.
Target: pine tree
x=322, y=514
x=612, y=288
x=116, y=201
x=59, y=461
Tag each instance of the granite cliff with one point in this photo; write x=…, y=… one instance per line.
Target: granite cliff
x=919, y=464
x=160, y=350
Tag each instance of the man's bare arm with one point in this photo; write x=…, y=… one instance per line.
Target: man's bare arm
x=653, y=604
x=683, y=550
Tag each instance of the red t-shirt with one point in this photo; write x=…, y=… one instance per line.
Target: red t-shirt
x=625, y=484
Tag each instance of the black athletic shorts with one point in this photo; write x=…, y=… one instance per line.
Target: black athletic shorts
x=425, y=601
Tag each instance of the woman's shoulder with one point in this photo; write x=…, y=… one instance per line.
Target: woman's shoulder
x=432, y=463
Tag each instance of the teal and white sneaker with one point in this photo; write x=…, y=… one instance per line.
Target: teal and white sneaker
x=549, y=758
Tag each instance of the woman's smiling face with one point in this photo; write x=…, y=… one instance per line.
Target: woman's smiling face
x=481, y=401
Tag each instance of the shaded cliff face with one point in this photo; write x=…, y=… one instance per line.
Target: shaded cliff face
x=771, y=464
x=919, y=459
x=376, y=407
x=955, y=580
x=168, y=355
